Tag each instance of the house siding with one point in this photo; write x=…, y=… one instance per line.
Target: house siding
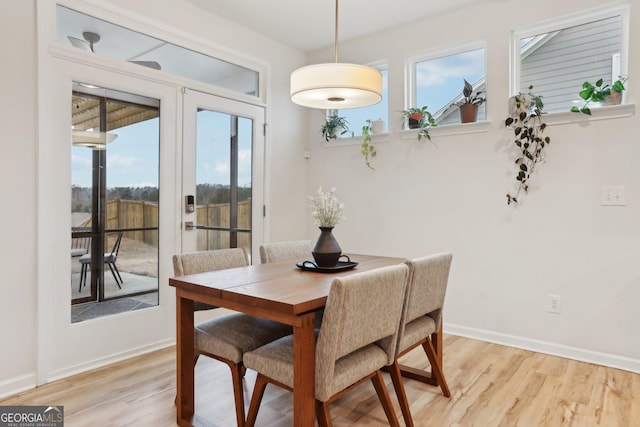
x=558, y=68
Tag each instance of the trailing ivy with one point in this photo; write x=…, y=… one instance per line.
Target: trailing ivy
x=528, y=127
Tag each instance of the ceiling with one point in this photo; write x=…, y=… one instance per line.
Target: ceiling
x=309, y=24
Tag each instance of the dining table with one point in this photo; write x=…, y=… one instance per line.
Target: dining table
x=279, y=291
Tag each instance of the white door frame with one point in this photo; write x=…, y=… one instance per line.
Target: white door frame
x=192, y=101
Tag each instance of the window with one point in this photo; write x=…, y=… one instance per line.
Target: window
x=558, y=58
x=115, y=161
x=437, y=82
x=357, y=117
x=124, y=44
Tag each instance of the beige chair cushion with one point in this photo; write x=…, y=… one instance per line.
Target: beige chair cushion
x=282, y=251
x=357, y=337
x=232, y=335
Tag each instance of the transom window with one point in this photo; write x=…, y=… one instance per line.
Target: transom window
x=438, y=81
x=558, y=58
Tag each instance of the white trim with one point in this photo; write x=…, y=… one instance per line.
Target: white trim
x=136, y=22
x=560, y=350
x=15, y=385
x=451, y=129
x=597, y=113
x=111, y=359
x=618, y=8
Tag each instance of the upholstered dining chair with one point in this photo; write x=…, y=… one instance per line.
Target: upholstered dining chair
x=421, y=325
x=228, y=337
x=357, y=338
x=282, y=251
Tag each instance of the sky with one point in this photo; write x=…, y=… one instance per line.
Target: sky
x=133, y=157
x=438, y=82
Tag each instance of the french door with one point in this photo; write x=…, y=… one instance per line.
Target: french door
x=222, y=174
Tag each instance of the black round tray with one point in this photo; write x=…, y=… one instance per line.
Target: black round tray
x=340, y=266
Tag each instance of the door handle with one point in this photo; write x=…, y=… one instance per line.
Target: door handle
x=188, y=225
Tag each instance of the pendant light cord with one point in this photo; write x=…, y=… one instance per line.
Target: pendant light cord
x=336, y=43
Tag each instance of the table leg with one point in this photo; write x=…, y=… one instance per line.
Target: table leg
x=185, y=357
x=304, y=355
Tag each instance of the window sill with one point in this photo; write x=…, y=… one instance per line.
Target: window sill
x=356, y=140
x=599, y=113
x=453, y=129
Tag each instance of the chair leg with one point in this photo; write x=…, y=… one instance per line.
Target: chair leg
x=436, y=366
x=238, y=394
x=256, y=398
x=114, y=274
x=383, y=395
x=398, y=385
x=83, y=276
x=322, y=414
x=115, y=267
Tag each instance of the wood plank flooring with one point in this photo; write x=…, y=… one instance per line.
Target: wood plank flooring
x=491, y=385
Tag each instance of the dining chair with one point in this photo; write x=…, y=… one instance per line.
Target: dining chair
x=421, y=325
x=357, y=338
x=282, y=251
x=226, y=338
x=110, y=259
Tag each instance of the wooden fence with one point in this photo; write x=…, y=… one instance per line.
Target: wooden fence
x=140, y=214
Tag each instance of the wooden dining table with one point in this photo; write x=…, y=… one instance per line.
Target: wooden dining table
x=278, y=291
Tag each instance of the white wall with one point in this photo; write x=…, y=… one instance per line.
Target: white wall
x=449, y=195
x=19, y=359
x=17, y=183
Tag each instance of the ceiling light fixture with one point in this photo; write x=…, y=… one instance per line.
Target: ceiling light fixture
x=89, y=139
x=336, y=85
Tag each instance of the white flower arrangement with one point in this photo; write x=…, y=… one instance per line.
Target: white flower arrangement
x=327, y=209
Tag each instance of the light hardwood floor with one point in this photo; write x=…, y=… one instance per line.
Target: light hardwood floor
x=491, y=385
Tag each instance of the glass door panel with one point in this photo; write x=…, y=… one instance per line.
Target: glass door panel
x=114, y=206
x=220, y=168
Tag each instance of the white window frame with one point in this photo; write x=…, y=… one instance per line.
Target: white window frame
x=411, y=86
x=557, y=24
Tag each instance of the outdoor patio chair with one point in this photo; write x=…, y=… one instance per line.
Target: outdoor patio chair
x=110, y=259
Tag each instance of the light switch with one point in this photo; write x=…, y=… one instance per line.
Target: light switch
x=613, y=196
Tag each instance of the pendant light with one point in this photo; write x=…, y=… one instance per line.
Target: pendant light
x=336, y=85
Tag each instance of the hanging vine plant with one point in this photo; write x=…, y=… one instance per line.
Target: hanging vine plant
x=526, y=122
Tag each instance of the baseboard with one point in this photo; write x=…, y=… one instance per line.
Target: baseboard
x=104, y=361
x=580, y=354
x=17, y=385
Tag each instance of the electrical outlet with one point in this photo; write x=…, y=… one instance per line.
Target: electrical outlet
x=553, y=304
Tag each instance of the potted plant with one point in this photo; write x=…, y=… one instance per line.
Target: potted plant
x=526, y=122
x=333, y=126
x=600, y=92
x=419, y=118
x=469, y=104
x=367, y=150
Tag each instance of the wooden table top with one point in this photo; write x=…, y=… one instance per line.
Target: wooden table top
x=279, y=286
